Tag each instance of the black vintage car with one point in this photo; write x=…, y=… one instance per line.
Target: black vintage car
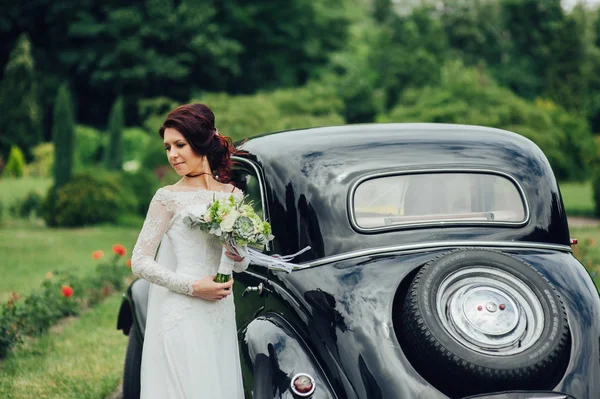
x=440, y=266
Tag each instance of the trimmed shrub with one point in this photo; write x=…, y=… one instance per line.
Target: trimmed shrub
x=31, y=205
x=114, y=147
x=63, y=136
x=88, y=146
x=49, y=207
x=89, y=198
x=43, y=161
x=135, y=141
x=596, y=192
x=21, y=121
x=144, y=184
x=15, y=164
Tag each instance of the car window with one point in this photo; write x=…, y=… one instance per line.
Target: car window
x=246, y=180
x=443, y=197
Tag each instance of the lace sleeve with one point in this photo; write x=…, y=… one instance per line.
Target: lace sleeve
x=142, y=259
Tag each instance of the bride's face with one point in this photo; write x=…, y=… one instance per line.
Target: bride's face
x=180, y=154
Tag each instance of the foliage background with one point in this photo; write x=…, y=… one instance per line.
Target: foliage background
x=524, y=65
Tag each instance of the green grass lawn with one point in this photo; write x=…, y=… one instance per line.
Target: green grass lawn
x=12, y=190
x=81, y=358
x=28, y=251
x=578, y=198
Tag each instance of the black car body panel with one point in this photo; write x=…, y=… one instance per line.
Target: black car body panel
x=335, y=316
x=347, y=310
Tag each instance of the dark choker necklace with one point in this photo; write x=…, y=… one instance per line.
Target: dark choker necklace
x=199, y=174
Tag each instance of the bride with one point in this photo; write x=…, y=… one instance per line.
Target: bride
x=190, y=347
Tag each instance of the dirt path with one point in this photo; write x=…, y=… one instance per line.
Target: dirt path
x=576, y=221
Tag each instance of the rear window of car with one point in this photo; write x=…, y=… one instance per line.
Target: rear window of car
x=437, y=198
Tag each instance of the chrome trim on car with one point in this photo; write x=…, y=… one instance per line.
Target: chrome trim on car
x=434, y=245
x=371, y=176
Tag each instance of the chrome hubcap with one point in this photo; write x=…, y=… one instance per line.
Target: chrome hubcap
x=490, y=311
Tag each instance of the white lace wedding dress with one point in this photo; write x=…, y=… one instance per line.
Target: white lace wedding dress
x=190, y=345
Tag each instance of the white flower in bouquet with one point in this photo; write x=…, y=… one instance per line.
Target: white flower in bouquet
x=228, y=220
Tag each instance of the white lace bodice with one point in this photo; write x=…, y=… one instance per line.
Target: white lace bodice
x=197, y=253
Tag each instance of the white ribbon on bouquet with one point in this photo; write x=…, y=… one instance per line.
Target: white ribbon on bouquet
x=273, y=262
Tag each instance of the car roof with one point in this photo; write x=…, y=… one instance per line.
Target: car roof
x=319, y=166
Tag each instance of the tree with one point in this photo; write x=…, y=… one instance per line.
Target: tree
x=20, y=121
x=280, y=46
x=15, y=164
x=474, y=30
x=114, y=147
x=409, y=52
x=535, y=29
x=63, y=136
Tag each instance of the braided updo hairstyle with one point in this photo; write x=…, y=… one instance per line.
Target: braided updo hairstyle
x=196, y=122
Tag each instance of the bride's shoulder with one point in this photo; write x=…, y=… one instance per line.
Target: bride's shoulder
x=164, y=194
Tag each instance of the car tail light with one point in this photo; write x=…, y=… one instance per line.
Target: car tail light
x=302, y=385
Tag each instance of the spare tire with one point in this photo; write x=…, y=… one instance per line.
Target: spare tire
x=478, y=321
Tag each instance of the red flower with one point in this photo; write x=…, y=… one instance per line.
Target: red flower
x=66, y=291
x=97, y=254
x=128, y=263
x=119, y=249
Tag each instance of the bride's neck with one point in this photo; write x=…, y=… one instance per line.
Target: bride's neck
x=200, y=179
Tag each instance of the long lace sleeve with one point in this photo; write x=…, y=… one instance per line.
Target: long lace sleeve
x=142, y=259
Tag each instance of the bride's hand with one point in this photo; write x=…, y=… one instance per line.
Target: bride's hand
x=230, y=253
x=206, y=288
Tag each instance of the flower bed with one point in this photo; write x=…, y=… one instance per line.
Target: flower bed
x=62, y=294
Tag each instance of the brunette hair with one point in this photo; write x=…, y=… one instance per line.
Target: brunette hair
x=196, y=122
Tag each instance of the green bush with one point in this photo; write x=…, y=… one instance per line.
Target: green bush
x=30, y=206
x=10, y=326
x=244, y=116
x=135, y=141
x=144, y=184
x=43, y=161
x=88, y=146
x=49, y=207
x=15, y=164
x=154, y=155
x=88, y=198
x=596, y=191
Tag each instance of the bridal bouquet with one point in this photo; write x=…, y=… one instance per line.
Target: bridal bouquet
x=240, y=230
